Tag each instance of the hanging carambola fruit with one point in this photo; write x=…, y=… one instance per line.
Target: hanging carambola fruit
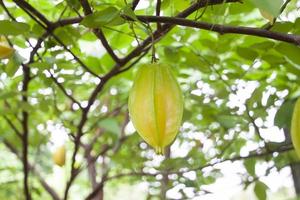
x=156, y=105
x=59, y=156
x=5, y=49
x=295, y=127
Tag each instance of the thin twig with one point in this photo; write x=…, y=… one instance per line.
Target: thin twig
x=158, y=5
x=134, y=4
x=98, y=32
x=61, y=87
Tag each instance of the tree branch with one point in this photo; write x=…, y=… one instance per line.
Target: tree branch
x=158, y=5
x=252, y=155
x=25, y=133
x=37, y=46
x=134, y=4
x=158, y=33
x=98, y=32
x=61, y=87
x=223, y=29
x=26, y=6
x=167, y=27
x=254, y=124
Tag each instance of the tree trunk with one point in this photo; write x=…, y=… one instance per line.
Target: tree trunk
x=92, y=171
x=165, y=179
x=295, y=168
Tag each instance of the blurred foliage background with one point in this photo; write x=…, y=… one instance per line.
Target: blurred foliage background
x=78, y=60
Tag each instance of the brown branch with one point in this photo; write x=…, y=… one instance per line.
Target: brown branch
x=157, y=34
x=252, y=155
x=134, y=4
x=158, y=5
x=25, y=133
x=98, y=32
x=223, y=29
x=37, y=46
x=61, y=87
x=167, y=27
x=91, y=165
x=97, y=189
x=252, y=120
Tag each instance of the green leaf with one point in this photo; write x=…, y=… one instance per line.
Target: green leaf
x=165, y=4
x=111, y=125
x=271, y=6
x=250, y=166
x=282, y=27
x=246, y=53
x=194, y=61
x=290, y=52
x=227, y=121
x=13, y=64
x=260, y=190
x=41, y=65
x=101, y=18
x=283, y=116
x=127, y=11
x=172, y=54
x=8, y=94
x=13, y=28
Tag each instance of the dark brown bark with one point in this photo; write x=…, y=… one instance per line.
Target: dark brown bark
x=25, y=83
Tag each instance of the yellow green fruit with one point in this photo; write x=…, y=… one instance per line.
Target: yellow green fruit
x=5, y=49
x=156, y=105
x=59, y=156
x=295, y=127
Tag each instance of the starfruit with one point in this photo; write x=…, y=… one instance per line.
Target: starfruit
x=156, y=105
x=59, y=156
x=295, y=127
x=5, y=49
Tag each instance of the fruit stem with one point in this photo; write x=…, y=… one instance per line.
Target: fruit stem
x=154, y=59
